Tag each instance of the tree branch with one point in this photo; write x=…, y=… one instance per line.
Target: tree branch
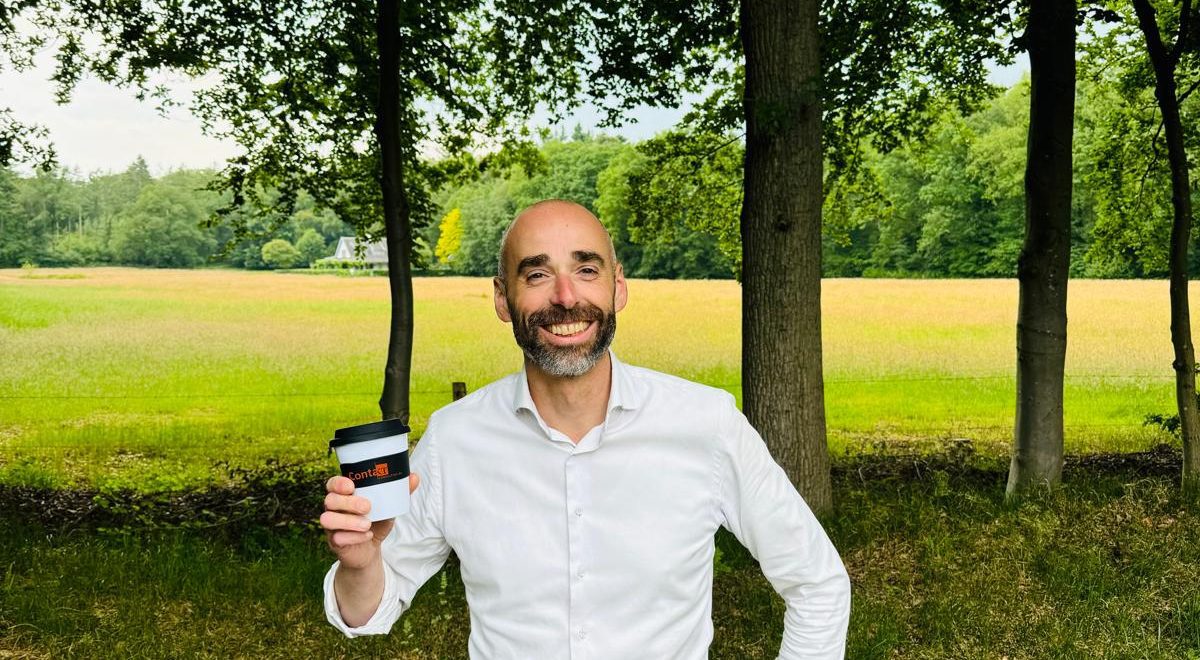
x=1185, y=22
x=1188, y=92
x=1156, y=155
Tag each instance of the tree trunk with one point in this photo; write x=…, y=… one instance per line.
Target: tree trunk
x=393, y=403
x=1045, y=261
x=1165, y=89
x=783, y=390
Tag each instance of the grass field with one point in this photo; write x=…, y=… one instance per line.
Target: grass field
x=940, y=567
x=144, y=379
x=126, y=377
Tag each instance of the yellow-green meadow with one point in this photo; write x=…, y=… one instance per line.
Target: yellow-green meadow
x=119, y=376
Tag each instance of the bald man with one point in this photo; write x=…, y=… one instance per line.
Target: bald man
x=582, y=494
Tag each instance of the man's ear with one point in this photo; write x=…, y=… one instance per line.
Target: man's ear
x=501, y=300
x=621, y=294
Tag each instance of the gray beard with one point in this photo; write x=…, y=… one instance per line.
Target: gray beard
x=565, y=362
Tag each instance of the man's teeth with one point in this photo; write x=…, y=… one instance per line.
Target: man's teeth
x=563, y=329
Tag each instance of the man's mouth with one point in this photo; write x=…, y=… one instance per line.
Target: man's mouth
x=567, y=329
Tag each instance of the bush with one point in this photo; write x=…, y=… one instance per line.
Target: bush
x=280, y=254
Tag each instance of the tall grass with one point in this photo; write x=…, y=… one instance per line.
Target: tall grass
x=116, y=376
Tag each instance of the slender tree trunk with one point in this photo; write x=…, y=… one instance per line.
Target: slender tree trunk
x=783, y=389
x=1165, y=90
x=1045, y=262
x=393, y=403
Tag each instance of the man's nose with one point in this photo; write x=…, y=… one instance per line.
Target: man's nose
x=564, y=292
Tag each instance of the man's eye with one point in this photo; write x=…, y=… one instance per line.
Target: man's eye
x=535, y=276
x=590, y=270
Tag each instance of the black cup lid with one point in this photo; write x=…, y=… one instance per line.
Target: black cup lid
x=365, y=432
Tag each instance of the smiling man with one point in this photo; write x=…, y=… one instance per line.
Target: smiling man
x=581, y=494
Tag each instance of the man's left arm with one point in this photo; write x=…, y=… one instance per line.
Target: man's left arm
x=765, y=512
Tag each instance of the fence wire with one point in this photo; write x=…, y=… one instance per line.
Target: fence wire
x=447, y=391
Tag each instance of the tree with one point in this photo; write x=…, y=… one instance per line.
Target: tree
x=1045, y=262
x=1165, y=60
x=875, y=82
x=449, y=236
x=688, y=184
x=279, y=253
x=781, y=240
x=338, y=98
x=311, y=247
x=161, y=229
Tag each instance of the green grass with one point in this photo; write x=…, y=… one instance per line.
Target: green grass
x=941, y=568
x=117, y=377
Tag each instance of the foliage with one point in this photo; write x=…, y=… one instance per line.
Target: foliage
x=161, y=229
x=687, y=184
x=311, y=247
x=449, y=236
x=279, y=253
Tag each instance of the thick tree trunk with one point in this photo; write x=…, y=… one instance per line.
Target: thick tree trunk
x=783, y=389
x=1045, y=263
x=393, y=403
x=1165, y=90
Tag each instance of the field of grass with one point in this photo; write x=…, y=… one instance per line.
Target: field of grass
x=940, y=567
x=127, y=377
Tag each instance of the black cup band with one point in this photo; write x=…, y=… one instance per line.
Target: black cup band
x=377, y=470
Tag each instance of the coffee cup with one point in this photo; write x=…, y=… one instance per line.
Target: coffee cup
x=375, y=457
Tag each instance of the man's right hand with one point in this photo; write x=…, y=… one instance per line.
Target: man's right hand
x=354, y=539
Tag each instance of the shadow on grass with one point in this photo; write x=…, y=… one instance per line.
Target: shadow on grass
x=941, y=565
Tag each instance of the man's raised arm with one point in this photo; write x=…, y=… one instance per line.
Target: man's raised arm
x=380, y=565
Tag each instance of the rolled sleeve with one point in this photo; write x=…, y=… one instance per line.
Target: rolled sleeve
x=764, y=511
x=380, y=623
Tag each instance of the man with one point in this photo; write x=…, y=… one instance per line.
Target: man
x=581, y=494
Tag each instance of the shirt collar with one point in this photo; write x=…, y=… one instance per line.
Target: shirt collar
x=624, y=393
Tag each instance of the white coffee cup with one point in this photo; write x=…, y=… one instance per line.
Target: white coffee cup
x=375, y=457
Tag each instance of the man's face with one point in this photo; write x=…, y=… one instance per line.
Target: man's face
x=561, y=290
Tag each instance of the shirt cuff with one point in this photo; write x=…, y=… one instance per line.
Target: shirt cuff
x=385, y=615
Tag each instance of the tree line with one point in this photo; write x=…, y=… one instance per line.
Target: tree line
x=335, y=98
x=948, y=203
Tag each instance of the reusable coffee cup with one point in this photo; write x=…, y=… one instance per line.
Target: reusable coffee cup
x=375, y=457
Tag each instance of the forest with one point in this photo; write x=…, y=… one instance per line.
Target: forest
x=949, y=204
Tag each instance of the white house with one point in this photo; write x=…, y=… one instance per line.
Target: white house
x=375, y=256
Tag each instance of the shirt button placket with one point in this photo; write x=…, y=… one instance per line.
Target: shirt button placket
x=574, y=487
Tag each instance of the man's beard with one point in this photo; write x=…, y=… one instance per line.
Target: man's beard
x=564, y=361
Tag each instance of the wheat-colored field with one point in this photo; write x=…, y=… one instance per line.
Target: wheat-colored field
x=119, y=376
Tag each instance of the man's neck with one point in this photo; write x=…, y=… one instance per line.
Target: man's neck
x=572, y=406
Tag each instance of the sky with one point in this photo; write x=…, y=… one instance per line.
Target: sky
x=104, y=128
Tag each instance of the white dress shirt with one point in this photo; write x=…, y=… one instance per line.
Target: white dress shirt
x=604, y=549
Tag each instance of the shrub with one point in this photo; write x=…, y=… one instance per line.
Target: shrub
x=279, y=253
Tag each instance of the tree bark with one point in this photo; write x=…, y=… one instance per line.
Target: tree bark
x=1045, y=262
x=393, y=403
x=1165, y=90
x=783, y=389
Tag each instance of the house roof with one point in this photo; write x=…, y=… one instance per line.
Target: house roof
x=375, y=253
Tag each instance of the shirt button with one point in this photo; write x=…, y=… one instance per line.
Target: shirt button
x=579, y=512
x=582, y=634
x=580, y=575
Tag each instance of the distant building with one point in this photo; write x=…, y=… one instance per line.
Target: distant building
x=376, y=255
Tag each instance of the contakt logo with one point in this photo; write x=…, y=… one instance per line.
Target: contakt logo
x=380, y=470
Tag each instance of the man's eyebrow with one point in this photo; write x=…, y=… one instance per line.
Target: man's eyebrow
x=584, y=256
x=532, y=262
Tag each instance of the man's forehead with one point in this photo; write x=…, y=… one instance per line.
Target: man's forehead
x=556, y=230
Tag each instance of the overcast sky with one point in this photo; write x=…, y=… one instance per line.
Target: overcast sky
x=103, y=128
